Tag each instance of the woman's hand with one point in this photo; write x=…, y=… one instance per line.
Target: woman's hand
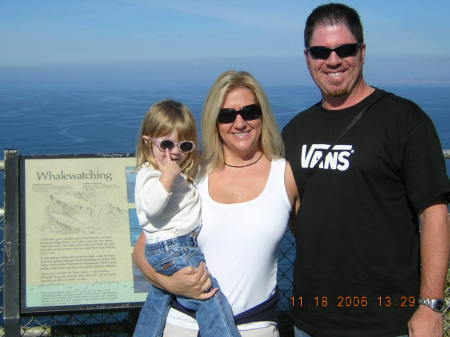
x=189, y=282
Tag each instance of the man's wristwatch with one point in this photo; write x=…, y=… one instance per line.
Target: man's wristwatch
x=436, y=304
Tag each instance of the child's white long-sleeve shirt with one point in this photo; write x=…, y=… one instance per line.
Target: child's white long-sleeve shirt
x=164, y=214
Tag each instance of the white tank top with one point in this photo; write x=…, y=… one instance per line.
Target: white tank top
x=240, y=242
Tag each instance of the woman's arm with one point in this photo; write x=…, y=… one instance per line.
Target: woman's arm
x=291, y=187
x=189, y=282
x=292, y=191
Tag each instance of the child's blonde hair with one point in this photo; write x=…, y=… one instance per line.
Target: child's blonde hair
x=162, y=119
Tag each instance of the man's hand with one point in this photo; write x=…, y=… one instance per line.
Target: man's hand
x=425, y=323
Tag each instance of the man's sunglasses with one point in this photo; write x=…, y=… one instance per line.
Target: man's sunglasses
x=323, y=53
x=164, y=144
x=248, y=113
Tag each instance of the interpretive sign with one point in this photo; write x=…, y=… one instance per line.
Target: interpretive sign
x=78, y=229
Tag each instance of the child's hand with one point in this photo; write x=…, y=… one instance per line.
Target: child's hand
x=169, y=170
x=168, y=166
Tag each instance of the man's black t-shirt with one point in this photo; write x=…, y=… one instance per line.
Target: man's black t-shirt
x=357, y=268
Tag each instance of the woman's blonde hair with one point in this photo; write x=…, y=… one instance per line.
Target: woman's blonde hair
x=271, y=142
x=161, y=120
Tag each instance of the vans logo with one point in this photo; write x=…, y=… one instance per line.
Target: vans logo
x=336, y=159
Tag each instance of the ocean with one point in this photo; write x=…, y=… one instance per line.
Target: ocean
x=62, y=120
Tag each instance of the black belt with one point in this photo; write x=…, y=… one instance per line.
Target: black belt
x=264, y=311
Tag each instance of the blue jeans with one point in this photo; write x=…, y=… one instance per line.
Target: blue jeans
x=214, y=315
x=301, y=333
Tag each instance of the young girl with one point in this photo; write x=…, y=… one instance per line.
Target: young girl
x=168, y=208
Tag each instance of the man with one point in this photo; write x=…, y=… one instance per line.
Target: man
x=372, y=231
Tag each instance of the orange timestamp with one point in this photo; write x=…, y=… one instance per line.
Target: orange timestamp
x=353, y=301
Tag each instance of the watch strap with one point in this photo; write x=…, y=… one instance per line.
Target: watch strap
x=436, y=304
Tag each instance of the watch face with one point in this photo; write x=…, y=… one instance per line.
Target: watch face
x=439, y=304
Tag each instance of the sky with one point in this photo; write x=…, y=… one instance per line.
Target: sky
x=142, y=42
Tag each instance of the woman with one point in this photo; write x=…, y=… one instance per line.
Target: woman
x=247, y=191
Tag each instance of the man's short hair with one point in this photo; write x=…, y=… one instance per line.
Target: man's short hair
x=330, y=14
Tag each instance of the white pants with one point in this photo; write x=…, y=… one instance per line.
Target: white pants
x=172, y=330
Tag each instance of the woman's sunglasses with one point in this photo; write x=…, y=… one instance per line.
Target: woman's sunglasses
x=248, y=113
x=323, y=53
x=164, y=144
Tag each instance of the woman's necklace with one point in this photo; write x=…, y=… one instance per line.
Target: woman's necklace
x=240, y=166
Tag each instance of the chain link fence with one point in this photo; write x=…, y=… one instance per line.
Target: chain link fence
x=121, y=324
